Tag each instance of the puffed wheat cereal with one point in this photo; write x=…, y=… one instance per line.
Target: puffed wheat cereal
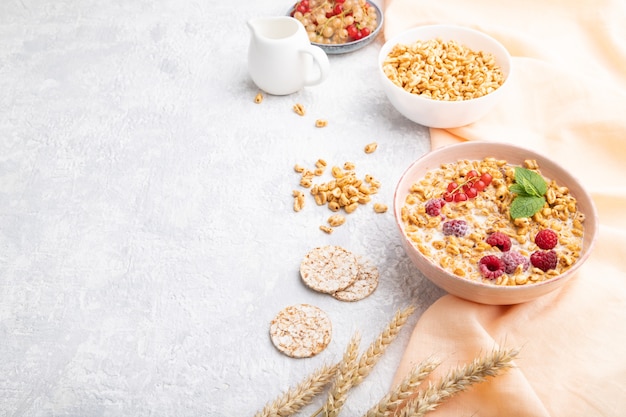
x=299, y=109
x=298, y=200
x=380, y=208
x=371, y=147
x=326, y=229
x=443, y=70
x=321, y=123
x=336, y=220
x=343, y=192
x=258, y=98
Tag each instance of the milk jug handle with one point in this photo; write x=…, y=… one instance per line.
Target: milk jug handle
x=321, y=60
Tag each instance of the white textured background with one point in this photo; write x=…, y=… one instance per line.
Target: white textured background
x=146, y=230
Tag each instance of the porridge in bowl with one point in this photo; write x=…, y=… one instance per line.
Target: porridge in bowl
x=494, y=222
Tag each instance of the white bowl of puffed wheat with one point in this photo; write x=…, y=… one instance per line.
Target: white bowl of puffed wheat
x=494, y=223
x=444, y=76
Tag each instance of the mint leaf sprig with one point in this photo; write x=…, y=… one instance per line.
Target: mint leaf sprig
x=530, y=189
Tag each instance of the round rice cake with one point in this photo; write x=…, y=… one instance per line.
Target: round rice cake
x=301, y=330
x=329, y=269
x=365, y=284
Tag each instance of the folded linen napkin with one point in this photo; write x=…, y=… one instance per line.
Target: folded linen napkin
x=568, y=100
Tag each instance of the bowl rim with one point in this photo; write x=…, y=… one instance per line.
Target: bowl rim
x=350, y=46
x=593, y=217
x=386, y=47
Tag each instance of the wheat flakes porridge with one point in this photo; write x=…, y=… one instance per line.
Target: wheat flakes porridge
x=463, y=216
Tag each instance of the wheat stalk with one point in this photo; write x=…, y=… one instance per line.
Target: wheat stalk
x=458, y=380
x=295, y=398
x=344, y=378
x=406, y=389
x=378, y=347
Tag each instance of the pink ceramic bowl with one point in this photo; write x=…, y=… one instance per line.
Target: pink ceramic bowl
x=478, y=291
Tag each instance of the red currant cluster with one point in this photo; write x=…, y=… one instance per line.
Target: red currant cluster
x=336, y=21
x=472, y=184
x=336, y=9
x=303, y=7
x=355, y=33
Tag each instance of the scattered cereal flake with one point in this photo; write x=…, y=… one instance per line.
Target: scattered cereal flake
x=326, y=229
x=371, y=147
x=336, y=220
x=298, y=200
x=321, y=123
x=258, y=98
x=299, y=109
x=301, y=330
x=380, y=208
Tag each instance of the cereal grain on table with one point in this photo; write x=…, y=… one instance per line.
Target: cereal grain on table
x=380, y=208
x=371, y=147
x=321, y=123
x=299, y=109
x=336, y=220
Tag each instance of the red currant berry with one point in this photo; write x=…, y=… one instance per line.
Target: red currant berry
x=472, y=192
x=472, y=175
x=359, y=35
x=305, y=3
x=337, y=9
x=352, y=31
x=452, y=187
x=458, y=197
x=486, y=178
x=479, y=185
x=365, y=32
x=448, y=197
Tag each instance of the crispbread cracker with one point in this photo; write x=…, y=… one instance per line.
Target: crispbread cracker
x=365, y=284
x=301, y=330
x=329, y=269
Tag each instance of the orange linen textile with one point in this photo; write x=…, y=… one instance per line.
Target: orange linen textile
x=568, y=100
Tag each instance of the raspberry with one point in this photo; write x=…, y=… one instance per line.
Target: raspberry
x=546, y=239
x=491, y=267
x=499, y=240
x=455, y=227
x=544, y=260
x=512, y=259
x=434, y=205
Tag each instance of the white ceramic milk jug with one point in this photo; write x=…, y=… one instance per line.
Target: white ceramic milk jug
x=281, y=59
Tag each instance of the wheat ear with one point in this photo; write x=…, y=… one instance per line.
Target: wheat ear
x=458, y=380
x=343, y=379
x=378, y=347
x=407, y=388
x=302, y=394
